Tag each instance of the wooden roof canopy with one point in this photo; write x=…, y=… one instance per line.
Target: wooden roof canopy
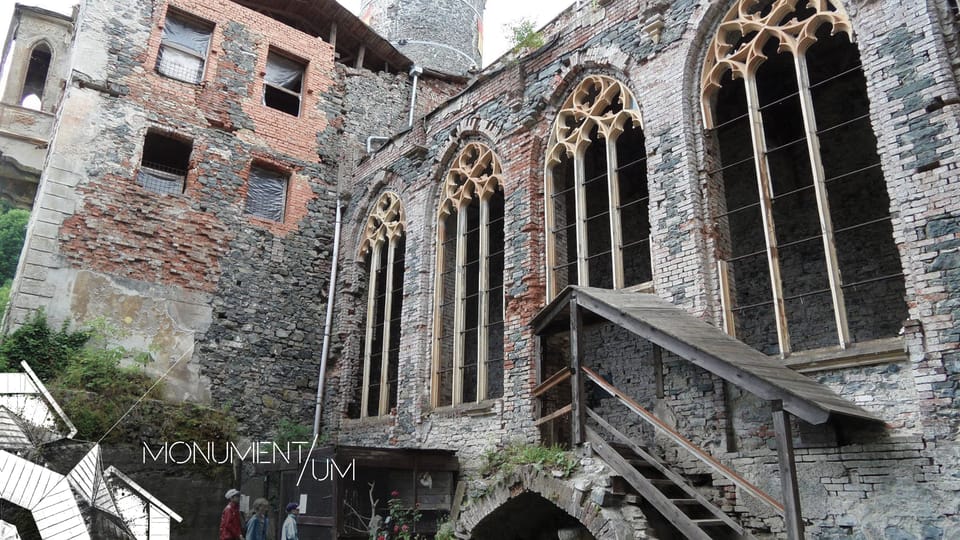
x=319, y=17
x=696, y=341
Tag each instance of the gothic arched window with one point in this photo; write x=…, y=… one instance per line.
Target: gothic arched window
x=597, y=203
x=805, y=237
x=35, y=81
x=382, y=249
x=468, y=311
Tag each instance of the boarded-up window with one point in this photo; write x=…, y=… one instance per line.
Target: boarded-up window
x=163, y=167
x=266, y=194
x=183, y=49
x=283, y=83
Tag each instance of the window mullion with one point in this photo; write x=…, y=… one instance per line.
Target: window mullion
x=766, y=210
x=483, y=335
x=387, y=316
x=459, y=318
x=613, y=196
x=823, y=205
x=439, y=294
x=550, y=219
x=371, y=324
x=580, y=198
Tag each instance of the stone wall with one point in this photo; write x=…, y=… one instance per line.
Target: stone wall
x=441, y=35
x=911, y=387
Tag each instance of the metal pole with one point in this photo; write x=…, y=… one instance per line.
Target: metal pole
x=325, y=351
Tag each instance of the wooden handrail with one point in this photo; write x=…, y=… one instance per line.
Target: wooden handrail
x=552, y=381
x=679, y=439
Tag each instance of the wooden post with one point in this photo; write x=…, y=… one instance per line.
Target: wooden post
x=578, y=412
x=333, y=35
x=792, y=518
x=360, y=54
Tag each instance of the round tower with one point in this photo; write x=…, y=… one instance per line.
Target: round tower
x=444, y=35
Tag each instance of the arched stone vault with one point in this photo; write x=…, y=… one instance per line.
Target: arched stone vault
x=572, y=495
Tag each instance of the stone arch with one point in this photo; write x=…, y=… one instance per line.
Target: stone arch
x=37, y=68
x=600, y=522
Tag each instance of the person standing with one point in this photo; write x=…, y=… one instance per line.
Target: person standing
x=230, y=524
x=258, y=524
x=289, y=531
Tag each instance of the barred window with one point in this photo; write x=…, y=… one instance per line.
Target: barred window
x=283, y=83
x=266, y=193
x=807, y=256
x=597, y=209
x=383, y=250
x=164, y=164
x=183, y=49
x=468, y=295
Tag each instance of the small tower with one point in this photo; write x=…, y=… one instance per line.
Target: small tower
x=444, y=35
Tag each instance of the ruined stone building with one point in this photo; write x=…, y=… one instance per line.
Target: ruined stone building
x=720, y=236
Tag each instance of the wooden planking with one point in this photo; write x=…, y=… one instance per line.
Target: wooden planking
x=682, y=334
x=679, y=439
x=679, y=481
x=646, y=489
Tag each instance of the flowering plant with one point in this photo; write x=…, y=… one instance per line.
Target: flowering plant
x=400, y=522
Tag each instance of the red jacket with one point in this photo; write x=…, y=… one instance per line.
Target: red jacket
x=230, y=523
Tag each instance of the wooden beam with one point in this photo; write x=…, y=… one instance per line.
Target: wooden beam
x=333, y=34
x=792, y=517
x=682, y=441
x=554, y=415
x=576, y=358
x=360, y=55
x=552, y=381
x=726, y=298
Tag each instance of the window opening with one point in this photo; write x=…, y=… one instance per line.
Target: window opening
x=36, y=78
x=183, y=50
x=383, y=248
x=164, y=164
x=804, y=223
x=266, y=194
x=468, y=328
x=596, y=184
x=282, y=84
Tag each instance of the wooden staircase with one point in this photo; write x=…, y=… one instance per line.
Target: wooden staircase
x=685, y=511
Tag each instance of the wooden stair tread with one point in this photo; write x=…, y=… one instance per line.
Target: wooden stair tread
x=708, y=522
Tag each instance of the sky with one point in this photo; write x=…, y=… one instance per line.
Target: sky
x=497, y=14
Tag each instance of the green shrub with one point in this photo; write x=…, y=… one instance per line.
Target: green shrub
x=523, y=34
x=13, y=229
x=48, y=351
x=289, y=431
x=505, y=460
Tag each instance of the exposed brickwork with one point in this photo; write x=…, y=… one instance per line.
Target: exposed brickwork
x=261, y=289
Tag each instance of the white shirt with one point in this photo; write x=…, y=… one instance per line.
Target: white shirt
x=289, y=531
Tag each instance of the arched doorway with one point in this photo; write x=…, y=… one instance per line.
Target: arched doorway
x=529, y=516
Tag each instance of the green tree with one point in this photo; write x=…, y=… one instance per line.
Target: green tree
x=13, y=229
x=523, y=34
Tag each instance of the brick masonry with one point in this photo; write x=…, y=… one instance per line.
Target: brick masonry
x=246, y=307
